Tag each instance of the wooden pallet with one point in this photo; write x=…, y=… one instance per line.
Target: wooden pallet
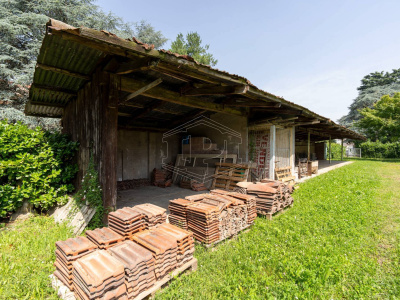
x=66, y=294
x=191, y=265
x=245, y=229
x=284, y=174
x=227, y=175
x=269, y=216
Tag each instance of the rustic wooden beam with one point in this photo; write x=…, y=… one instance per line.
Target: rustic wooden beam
x=260, y=104
x=282, y=111
x=50, y=104
x=217, y=90
x=159, y=109
x=143, y=89
x=55, y=89
x=187, y=118
x=131, y=85
x=306, y=123
x=62, y=71
x=147, y=109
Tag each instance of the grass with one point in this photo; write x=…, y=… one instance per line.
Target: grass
x=27, y=257
x=340, y=240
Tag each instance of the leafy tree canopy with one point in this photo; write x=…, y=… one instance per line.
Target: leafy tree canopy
x=382, y=122
x=191, y=45
x=367, y=98
x=379, y=79
x=22, y=28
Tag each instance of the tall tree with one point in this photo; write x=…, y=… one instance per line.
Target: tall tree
x=191, y=45
x=22, y=28
x=367, y=98
x=382, y=122
x=379, y=79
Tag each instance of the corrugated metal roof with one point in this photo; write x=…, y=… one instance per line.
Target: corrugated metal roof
x=79, y=50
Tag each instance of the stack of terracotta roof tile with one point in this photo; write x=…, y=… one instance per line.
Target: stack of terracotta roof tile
x=99, y=276
x=178, y=215
x=163, y=248
x=153, y=214
x=197, y=197
x=66, y=253
x=139, y=266
x=196, y=186
x=203, y=222
x=126, y=221
x=271, y=196
x=104, y=238
x=184, y=240
x=249, y=200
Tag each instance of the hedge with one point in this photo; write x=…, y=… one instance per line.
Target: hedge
x=35, y=166
x=379, y=150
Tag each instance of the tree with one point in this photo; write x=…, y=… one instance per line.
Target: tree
x=382, y=122
x=191, y=46
x=379, y=79
x=367, y=98
x=22, y=28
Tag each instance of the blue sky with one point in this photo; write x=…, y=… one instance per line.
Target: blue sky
x=313, y=53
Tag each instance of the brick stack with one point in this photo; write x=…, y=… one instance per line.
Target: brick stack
x=126, y=221
x=139, y=266
x=178, y=215
x=104, y=238
x=99, y=276
x=203, y=222
x=66, y=253
x=163, y=248
x=271, y=196
x=153, y=214
x=183, y=238
x=249, y=200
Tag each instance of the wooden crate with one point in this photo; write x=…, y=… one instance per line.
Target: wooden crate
x=227, y=175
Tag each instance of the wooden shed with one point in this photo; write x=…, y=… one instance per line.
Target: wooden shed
x=123, y=100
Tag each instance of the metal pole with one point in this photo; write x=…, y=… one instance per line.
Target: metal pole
x=342, y=152
x=330, y=140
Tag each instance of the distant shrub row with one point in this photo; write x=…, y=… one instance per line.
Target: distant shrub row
x=379, y=150
x=35, y=166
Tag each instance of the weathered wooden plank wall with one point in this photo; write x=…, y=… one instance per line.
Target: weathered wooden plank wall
x=92, y=120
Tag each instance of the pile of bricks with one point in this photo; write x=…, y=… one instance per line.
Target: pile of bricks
x=163, y=247
x=121, y=264
x=126, y=221
x=249, y=200
x=184, y=239
x=177, y=209
x=201, y=214
x=161, y=178
x=271, y=196
x=99, y=276
x=139, y=266
x=153, y=214
x=203, y=221
x=66, y=253
x=104, y=238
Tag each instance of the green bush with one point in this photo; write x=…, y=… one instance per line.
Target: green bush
x=336, y=150
x=35, y=166
x=380, y=150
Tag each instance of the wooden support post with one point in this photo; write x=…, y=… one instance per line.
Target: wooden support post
x=341, y=154
x=308, y=146
x=292, y=149
x=272, y=152
x=330, y=141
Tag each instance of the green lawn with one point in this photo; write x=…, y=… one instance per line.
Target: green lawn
x=340, y=240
